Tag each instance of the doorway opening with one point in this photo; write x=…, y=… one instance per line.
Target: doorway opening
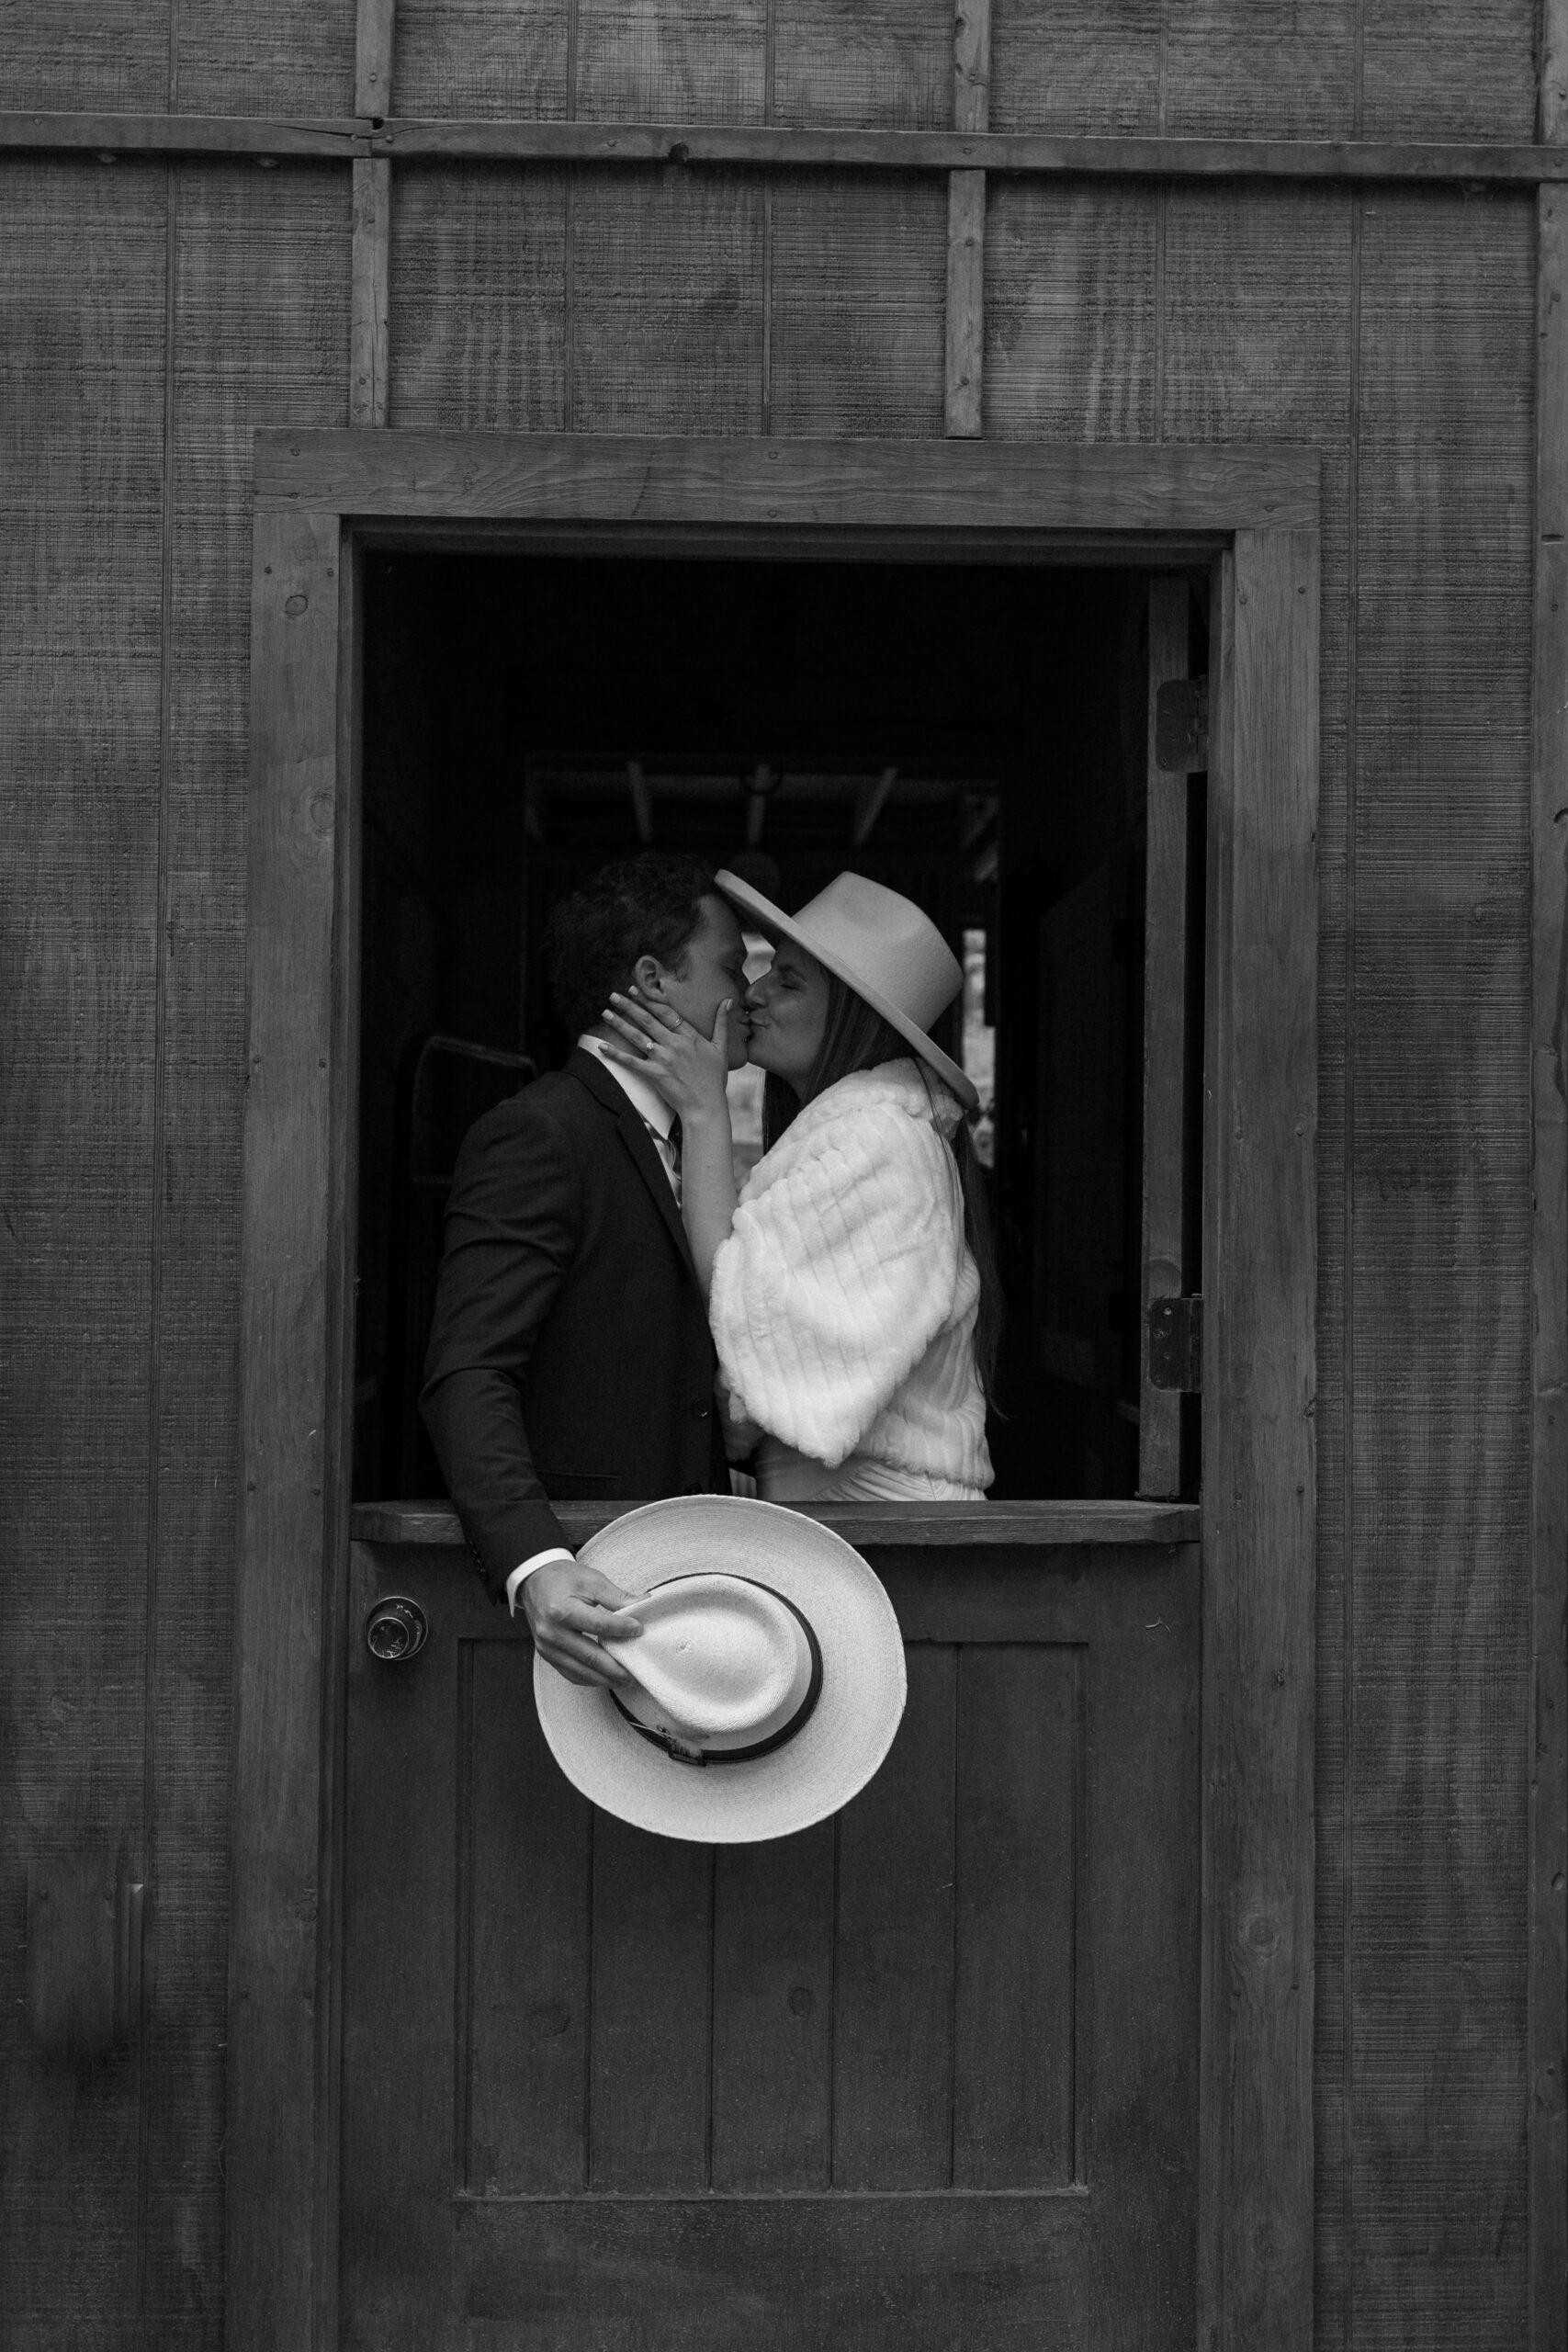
x=975, y=736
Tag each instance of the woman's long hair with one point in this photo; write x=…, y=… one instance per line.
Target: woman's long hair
x=855, y=1037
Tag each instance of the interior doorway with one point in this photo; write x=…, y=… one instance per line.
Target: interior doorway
x=974, y=736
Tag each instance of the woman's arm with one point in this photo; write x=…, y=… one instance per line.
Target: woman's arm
x=689, y=1071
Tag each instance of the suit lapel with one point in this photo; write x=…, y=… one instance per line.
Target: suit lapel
x=634, y=1134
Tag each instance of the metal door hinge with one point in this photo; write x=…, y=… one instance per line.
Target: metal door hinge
x=1176, y=1343
x=1181, y=726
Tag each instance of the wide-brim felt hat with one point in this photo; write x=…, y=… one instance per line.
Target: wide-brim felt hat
x=822, y=1676
x=879, y=944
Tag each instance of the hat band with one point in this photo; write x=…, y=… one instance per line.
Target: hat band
x=679, y=1753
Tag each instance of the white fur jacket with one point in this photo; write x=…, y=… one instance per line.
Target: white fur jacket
x=843, y=1301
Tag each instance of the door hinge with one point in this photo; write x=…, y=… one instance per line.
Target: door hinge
x=1176, y=1343
x=1181, y=726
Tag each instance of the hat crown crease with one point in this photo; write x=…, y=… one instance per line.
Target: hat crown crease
x=717, y=1657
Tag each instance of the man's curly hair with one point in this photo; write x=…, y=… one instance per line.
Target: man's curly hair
x=651, y=905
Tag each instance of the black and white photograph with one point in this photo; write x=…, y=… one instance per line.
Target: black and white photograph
x=783, y=1176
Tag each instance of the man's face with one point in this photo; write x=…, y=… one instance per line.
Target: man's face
x=713, y=967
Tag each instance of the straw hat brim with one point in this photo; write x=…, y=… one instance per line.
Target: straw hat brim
x=773, y=919
x=838, y=1747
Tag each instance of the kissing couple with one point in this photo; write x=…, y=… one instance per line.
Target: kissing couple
x=613, y=1323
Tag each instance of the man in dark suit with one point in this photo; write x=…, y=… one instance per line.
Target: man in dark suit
x=570, y=1354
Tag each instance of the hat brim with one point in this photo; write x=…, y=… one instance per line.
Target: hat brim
x=773, y=919
x=836, y=1752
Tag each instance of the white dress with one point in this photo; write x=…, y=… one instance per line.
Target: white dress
x=845, y=1298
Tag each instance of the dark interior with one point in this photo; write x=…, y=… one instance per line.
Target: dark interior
x=973, y=736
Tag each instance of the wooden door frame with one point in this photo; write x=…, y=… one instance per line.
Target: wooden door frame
x=322, y=497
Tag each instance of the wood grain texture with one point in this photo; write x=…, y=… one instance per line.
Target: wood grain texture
x=637, y=62
x=1456, y=72
x=858, y=277
x=477, y=300
x=369, y=358
x=1547, y=2060
x=115, y=59
x=83, y=294
x=289, y=1473
x=882, y=64
x=109, y=136
x=665, y=325
x=1065, y=66
x=773, y=2018
x=483, y=58
x=1070, y=343
x=966, y=486
x=265, y=56
x=421, y=1526
x=1438, y=1619
x=787, y=148
x=1232, y=68
x=1260, y=1078
x=966, y=311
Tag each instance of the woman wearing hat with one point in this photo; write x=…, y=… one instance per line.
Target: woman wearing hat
x=850, y=1288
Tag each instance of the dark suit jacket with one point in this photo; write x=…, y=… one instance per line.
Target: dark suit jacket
x=569, y=1355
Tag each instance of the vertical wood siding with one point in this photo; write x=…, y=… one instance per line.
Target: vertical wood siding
x=149, y=317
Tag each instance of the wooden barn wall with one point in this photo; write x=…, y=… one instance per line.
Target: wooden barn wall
x=149, y=317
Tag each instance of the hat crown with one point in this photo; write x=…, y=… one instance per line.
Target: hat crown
x=718, y=1657
x=886, y=941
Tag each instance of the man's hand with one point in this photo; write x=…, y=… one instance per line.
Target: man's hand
x=568, y=1606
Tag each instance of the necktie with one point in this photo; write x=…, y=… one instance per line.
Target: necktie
x=674, y=1140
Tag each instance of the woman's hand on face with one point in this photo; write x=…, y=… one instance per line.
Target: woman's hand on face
x=688, y=1068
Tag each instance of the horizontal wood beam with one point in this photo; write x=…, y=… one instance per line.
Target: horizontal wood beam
x=763, y=487
x=338, y=140
x=422, y=1526
x=763, y=147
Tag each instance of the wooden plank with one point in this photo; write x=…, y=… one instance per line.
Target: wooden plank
x=772, y=2014
x=1095, y=1522
x=290, y=1507
x=522, y=2058
x=478, y=281
x=893, y=1959
x=639, y=62
x=335, y=137
x=965, y=300
x=369, y=357
x=1019, y=1784
x=82, y=284
x=650, y=2052
x=855, y=279
x=823, y=484
x=473, y=58
x=1256, y=2235
x=368, y=373
x=1499, y=163
x=499, y=139
x=1165, y=1044
x=1548, y=2058
x=263, y=57
x=407, y=1797
x=886, y=64
x=1070, y=313
x=1436, y=67
x=966, y=221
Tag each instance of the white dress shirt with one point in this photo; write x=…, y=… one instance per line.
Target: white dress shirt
x=657, y=1118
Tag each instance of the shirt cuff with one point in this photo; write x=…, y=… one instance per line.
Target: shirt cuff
x=514, y=1581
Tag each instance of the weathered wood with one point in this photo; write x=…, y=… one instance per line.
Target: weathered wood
x=368, y=362
x=652, y=1999
x=497, y=140
x=1165, y=1044
x=339, y=138
x=826, y=485
x=293, y=1274
x=373, y=26
x=1548, y=2028
x=965, y=300
x=1019, y=1775
x=1259, y=1375
x=856, y=281
x=894, y=1953
x=772, y=2014
x=967, y=221
x=422, y=1525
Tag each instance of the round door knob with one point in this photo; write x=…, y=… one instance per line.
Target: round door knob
x=396, y=1629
